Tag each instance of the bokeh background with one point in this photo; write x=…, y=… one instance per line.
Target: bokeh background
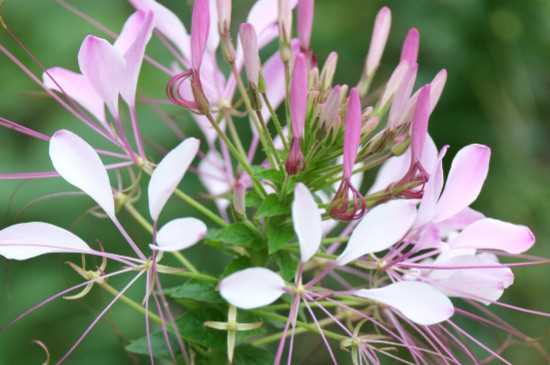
x=497, y=54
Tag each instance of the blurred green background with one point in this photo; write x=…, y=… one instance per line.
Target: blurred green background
x=497, y=55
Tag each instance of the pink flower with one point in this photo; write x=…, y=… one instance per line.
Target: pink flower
x=305, y=22
x=380, y=34
x=251, y=53
x=298, y=110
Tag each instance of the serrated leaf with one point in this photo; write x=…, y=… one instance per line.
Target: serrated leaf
x=234, y=234
x=279, y=236
x=200, y=292
x=272, y=206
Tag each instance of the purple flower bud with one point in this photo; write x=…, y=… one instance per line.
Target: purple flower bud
x=352, y=132
x=329, y=69
x=380, y=33
x=200, y=27
x=409, y=52
x=298, y=96
x=224, y=15
x=295, y=161
x=305, y=22
x=251, y=53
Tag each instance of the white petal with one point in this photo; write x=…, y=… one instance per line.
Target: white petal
x=180, y=234
x=252, y=288
x=169, y=173
x=419, y=302
x=306, y=217
x=381, y=228
x=79, y=164
x=27, y=240
x=212, y=175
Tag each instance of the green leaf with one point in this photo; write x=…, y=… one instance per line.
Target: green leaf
x=272, y=175
x=279, y=236
x=237, y=234
x=158, y=345
x=252, y=199
x=287, y=263
x=240, y=263
x=192, y=329
x=244, y=355
x=197, y=291
x=272, y=206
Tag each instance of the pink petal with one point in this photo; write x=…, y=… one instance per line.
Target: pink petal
x=252, y=288
x=419, y=302
x=419, y=128
x=79, y=164
x=213, y=33
x=169, y=173
x=400, y=103
x=466, y=177
x=27, y=240
x=461, y=220
x=167, y=24
x=352, y=132
x=306, y=217
x=380, y=34
x=305, y=21
x=132, y=41
x=298, y=96
x=264, y=14
x=437, y=85
x=409, y=52
x=432, y=191
x=484, y=284
x=492, y=234
x=394, y=82
x=179, y=234
x=381, y=228
x=104, y=67
x=200, y=29
x=78, y=88
x=224, y=13
x=212, y=175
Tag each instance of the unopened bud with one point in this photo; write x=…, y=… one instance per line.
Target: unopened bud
x=224, y=15
x=295, y=161
x=329, y=69
x=252, y=61
x=285, y=20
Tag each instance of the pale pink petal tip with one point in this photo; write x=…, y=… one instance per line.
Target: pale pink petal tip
x=252, y=288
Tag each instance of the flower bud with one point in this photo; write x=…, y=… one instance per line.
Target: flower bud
x=329, y=69
x=252, y=61
x=224, y=15
x=298, y=96
x=409, y=52
x=305, y=22
x=378, y=41
x=329, y=115
x=295, y=161
x=352, y=132
x=285, y=19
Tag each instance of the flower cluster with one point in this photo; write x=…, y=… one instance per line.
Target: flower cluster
x=310, y=246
